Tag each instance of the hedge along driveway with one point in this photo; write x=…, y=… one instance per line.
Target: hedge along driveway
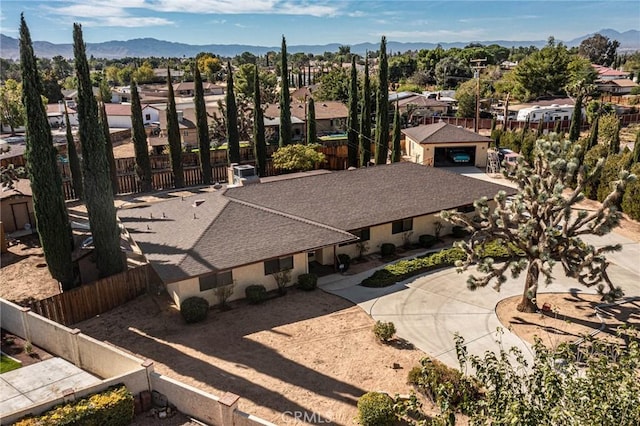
x=408, y=268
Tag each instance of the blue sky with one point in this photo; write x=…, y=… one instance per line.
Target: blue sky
x=262, y=22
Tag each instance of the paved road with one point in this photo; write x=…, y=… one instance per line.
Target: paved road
x=428, y=310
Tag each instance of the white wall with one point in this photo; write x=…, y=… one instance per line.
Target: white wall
x=119, y=121
x=152, y=112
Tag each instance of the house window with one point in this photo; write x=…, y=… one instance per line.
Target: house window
x=147, y=117
x=186, y=133
x=402, y=226
x=221, y=279
x=466, y=209
x=278, y=265
x=364, y=234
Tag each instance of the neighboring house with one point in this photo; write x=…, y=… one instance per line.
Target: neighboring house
x=616, y=87
x=187, y=122
x=331, y=116
x=243, y=235
x=419, y=106
x=55, y=115
x=187, y=88
x=119, y=115
x=442, y=144
x=606, y=73
x=272, y=129
x=16, y=207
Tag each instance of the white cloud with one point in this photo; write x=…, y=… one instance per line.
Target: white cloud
x=225, y=7
x=128, y=22
x=496, y=19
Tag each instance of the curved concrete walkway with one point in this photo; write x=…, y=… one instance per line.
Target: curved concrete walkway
x=429, y=309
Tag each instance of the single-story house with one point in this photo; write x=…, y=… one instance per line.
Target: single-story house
x=272, y=128
x=55, y=115
x=243, y=235
x=187, y=88
x=119, y=115
x=16, y=207
x=418, y=106
x=443, y=144
x=606, y=73
x=187, y=122
x=616, y=87
x=331, y=116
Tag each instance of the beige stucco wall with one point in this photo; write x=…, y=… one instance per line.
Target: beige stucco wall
x=7, y=213
x=382, y=234
x=424, y=153
x=243, y=277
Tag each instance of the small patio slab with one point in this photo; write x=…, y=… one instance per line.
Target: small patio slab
x=40, y=382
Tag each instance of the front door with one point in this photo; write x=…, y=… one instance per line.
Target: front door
x=21, y=216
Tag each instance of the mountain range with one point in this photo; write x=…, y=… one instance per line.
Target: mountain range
x=143, y=47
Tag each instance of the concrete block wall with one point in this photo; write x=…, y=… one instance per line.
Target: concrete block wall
x=114, y=366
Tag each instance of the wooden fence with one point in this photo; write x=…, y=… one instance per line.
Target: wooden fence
x=92, y=299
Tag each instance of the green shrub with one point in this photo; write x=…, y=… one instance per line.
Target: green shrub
x=630, y=203
x=384, y=330
x=459, y=232
x=404, y=269
x=438, y=382
x=387, y=249
x=194, y=309
x=344, y=259
x=113, y=407
x=427, y=241
x=376, y=409
x=256, y=293
x=307, y=282
x=380, y=278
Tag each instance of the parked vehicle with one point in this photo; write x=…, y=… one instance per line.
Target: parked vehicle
x=458, y=155
x=545, y=113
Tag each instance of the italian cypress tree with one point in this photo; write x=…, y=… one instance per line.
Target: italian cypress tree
x=382, y=106
x=635, y=155
x=52, y=221
x=173, y=134
x=97, y=186
x=396, y=154
x=285, y=99
x=365, y=117
x=233, y=138
x=140, y=146
x=111, y=159
x=352, y=133
x=309, y=82
x=614, y=144
x=593, y=137
x=259, y=142
x=576, y=120
x=203, y=128
x=312, y=134
x=74, y=160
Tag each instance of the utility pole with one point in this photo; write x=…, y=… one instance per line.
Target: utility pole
x=478, y=64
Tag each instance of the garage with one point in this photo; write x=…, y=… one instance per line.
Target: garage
x=444, y=145
x=454, y=156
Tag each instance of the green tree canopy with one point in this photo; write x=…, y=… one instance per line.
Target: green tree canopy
x=12, y=112
x=297, y=157
x=544, y=72
x=598, y=49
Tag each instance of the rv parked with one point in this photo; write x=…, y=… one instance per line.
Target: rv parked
x=545, y=113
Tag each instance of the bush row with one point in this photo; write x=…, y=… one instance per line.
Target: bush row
x=404, y=269
x=113, y=407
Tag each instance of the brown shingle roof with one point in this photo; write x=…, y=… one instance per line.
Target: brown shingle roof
x=350, y=200
x=423, y=101
x=325, y=110
x=20, y=187
x=442, y=133
x=225, y=234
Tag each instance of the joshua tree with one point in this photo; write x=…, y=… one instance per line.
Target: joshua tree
x=538, y=226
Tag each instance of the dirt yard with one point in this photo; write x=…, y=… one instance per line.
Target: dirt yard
x=570, y=316
x=304, y=352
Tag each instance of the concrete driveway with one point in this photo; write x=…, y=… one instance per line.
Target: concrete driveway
x=427, y=310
